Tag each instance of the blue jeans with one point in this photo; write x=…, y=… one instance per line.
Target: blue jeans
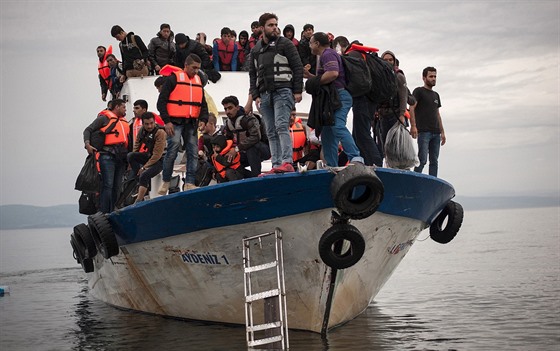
x=363, y=110
x=188, y=132
x=112, y=171
x=276, y=108
x=332, y=135
x=428, y=144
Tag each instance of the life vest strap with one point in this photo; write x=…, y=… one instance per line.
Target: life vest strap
x=181, y=102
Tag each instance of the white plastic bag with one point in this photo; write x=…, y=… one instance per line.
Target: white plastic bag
x=399, y=148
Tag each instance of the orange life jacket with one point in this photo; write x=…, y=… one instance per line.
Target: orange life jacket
x=297, y=131
x=220, y=168
x=116, y=131
x=225, y=54
x=185, y=101
x=103, y=67
x=137, y=125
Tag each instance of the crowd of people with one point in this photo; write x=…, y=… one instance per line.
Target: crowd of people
x=277, y=65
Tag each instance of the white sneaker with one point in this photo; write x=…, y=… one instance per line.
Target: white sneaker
x=164, y=188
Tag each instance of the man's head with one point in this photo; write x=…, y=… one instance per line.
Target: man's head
x=101, y=50
x=429, y=75
x=192, y=65
x=389, y=57
x=148, y=121
x=118, y=33
x=158, y=83
x=269, y=22
x=288, y=31
x=243, y=37
x=340, y=44
x=308, y=30
x=225, y=34
x=112, y=60
x=318, y=43
x=139, y=108
x=210, y=125
x=165, y=31
x=256, y=28
x=201, y=37
x=231, y=106
x=181, y=39
x=118, y=106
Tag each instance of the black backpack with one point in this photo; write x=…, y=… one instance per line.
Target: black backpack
x=358, y=77
x=383, y=79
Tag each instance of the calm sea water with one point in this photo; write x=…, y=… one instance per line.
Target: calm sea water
x=495, y=287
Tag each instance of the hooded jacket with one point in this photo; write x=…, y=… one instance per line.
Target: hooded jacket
x=192, y=47
x=399, y=105
x=291, y=28
x=131, y=52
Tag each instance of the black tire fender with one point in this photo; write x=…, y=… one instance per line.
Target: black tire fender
x=357, y=191
x=79, y=254
x=103, y=235
x=83, y=234
x=330, y=246
x=454, y=214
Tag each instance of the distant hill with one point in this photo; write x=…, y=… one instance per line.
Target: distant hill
x=26, y=216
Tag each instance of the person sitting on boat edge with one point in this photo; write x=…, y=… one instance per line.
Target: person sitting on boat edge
x=146, y=158
x=227, y=168
x=161, y=48
x=245, y=132
x=134, y=52
x=181, y=106
x=139, y=108
x=108, y=135
x=224, y=52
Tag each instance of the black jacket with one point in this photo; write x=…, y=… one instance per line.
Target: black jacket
x=192, y=47
x=325, y=102
x=131, y=52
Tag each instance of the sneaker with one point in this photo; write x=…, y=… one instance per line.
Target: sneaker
x=283, y=168
x=189, y=186
x=164, y=188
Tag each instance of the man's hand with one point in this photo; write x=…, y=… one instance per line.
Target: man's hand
x=169, y=129
x=231, y=155
x=443, y=138
x=104, y=96
x=90, y=149
x=414, y=132
x=297, y=97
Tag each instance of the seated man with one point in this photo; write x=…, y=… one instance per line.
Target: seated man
x=146, y=158
x=245, y=131
x=226, y=169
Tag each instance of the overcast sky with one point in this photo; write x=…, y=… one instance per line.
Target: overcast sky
x=498, y=78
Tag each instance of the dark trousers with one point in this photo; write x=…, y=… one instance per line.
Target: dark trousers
x=253, y=157
x=112, y=170
x=363, y=110
x=139, y=159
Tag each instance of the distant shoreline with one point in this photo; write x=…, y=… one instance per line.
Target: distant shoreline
x=65, y=216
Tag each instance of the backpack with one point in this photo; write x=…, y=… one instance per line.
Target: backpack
x=383, y=79
x=358, y=77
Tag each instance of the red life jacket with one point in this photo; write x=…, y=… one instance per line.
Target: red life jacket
x=137, y=125
x=225, y=54
x=240, y=55
x=220, y=168
x=297, y=131
x=116, y=131
x=103, y=67
x=185, y=101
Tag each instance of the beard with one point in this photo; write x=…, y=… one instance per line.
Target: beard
x=271, y=36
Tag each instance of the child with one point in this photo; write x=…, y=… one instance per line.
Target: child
x=226, y=170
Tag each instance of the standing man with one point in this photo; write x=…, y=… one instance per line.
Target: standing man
x=181, y=105
x=425, y=122
x=146, y=157
x=331, y=70
x=104, y=70
x=276, y=77
x=108, y=135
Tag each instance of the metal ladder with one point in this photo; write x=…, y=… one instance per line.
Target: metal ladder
x=275, y=330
